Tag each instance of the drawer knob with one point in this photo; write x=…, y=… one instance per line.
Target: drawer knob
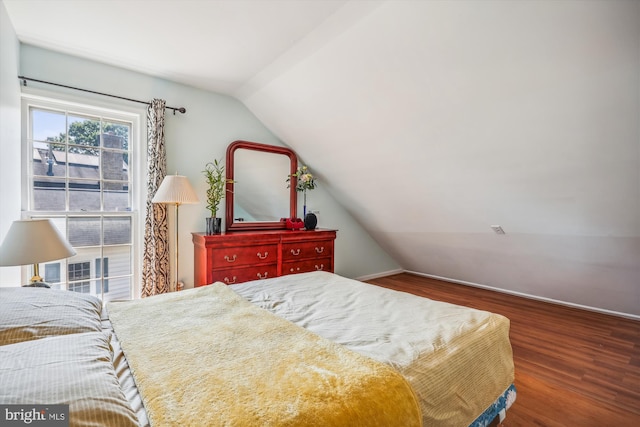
x=293, y=270
x=295, y=251
x=229, y=281
x=319, y=249
x=260, y=276
x=266, y=254
x=320, y=268
x=231, y=259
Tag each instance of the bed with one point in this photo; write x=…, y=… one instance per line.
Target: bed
x=346, y=356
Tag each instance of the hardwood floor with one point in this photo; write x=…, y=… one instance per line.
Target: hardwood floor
x=574, y=368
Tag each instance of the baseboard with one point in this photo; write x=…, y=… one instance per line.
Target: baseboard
x=382, y=274
x=529, y=296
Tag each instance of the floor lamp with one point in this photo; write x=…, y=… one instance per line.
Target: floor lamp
x=32, y=242
x=175, y=190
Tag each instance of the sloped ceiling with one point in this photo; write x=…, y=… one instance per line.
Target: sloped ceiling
x=429, y=121
x=215, y=45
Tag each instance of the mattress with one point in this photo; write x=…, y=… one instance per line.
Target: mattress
x=458, y=360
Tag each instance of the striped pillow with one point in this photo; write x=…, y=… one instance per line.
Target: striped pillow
x=32, y=313
x=71, y=369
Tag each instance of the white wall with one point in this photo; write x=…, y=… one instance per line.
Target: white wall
x=202, y=134
x=433, y=120
x=9, y=136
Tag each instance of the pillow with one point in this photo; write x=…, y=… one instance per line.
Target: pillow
x=71, y=369
x=33, y=313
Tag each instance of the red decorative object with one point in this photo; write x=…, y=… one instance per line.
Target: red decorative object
x=294, y=223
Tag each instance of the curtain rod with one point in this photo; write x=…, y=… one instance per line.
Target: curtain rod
x=24, y=82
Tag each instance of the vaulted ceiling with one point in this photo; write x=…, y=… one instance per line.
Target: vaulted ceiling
x=429, y=121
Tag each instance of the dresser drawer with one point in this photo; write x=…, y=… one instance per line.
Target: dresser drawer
x=239, y=275
x=237, y=257
x=305, y=266
x=225, y=258
x=304, y=250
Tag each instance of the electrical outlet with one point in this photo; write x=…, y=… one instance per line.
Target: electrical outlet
x=497, y=229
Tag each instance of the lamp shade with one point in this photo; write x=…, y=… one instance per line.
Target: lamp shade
x=33, y=241
x=175, y=189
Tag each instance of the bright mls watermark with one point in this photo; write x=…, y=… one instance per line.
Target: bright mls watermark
x=34, y=415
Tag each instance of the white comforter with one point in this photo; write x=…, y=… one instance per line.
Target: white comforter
x=457, y=359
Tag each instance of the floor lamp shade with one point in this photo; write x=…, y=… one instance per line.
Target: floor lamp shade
x=175, y=190
x=32, y=242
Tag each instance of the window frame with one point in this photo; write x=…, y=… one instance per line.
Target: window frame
x=35, y=98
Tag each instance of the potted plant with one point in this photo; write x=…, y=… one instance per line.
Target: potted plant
x=214, y=173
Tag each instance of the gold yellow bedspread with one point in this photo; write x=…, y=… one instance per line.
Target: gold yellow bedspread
x=207, y=357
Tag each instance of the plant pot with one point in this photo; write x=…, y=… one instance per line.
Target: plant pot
x=214, y=225
x=310, y=221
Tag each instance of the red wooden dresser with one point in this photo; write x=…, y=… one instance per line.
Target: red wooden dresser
x=241, y=256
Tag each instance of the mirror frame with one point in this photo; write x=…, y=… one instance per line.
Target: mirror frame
x=232, y=225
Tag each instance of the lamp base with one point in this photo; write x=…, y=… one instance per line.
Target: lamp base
x=36, y=285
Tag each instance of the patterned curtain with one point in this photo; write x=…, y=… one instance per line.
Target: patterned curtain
x=155, y=264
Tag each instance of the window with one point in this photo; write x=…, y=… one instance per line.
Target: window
x=79, y=272
x=52, y=272
x=80, y=175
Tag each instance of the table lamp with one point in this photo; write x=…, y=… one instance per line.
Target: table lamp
x=175, y=190
x=32, y=241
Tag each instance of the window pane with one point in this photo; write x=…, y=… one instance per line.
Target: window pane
x=118, y=261
x=117, y=201
x=117, y=231
x=83, y=163
x=114, y=166
x=119, y=289
x=80, y=265
x=49, y=160
x=84, y=131
x=84, y=287
x=47, y=125
x=49, y=198
x=84, y=195
x=84, y=231
x=116, y=135
x=79, y=272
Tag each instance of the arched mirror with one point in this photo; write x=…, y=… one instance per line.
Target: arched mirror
x=257, y=194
